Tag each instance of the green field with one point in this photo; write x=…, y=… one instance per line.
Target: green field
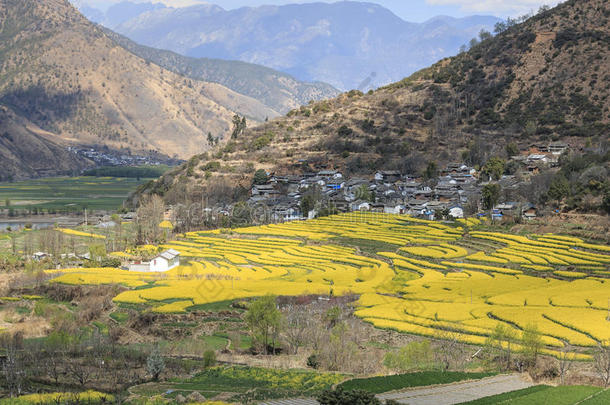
x=545, y=395
x=68, y=193
x=245, y=384
x=377, y=385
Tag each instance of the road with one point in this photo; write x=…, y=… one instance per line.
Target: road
x=449, y=394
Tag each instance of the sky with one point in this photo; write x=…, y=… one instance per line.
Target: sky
x=409, y=10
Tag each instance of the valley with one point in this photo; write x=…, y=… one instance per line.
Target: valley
x=191, y=214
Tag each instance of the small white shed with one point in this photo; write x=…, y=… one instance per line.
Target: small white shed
x=165, y=261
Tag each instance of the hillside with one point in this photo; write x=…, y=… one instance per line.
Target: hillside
x=27, y=151
x=275, y=89
x=540, y=81
x=65, y=76
x=347, y=44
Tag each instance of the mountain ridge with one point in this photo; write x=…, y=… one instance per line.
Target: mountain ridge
x=275, y=89
x=340, y=43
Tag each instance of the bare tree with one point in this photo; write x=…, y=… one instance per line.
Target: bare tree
x=13, y=370
x=448, y=350
x=602, y=362
x=82, y=370
x=148, y=217
x=565, y=360
x=296, y=322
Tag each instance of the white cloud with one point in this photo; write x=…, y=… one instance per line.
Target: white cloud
x=496, y=7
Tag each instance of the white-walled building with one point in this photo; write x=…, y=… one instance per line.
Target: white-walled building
x=165, y=261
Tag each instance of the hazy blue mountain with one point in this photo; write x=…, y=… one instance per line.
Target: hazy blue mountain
x=347, y=44
x=117, y=13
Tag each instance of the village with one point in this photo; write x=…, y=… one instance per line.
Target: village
x=456, y=192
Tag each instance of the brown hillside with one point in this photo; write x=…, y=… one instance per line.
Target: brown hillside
x=63, y=74
x=545, y=79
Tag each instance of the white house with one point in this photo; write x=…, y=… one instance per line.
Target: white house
x=165, y=261
x=456, y=212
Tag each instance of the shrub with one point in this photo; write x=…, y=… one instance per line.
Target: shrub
x=313, y=361
x=209, y=358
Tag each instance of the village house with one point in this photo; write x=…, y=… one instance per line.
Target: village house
x=530, y=211
x=160, y=264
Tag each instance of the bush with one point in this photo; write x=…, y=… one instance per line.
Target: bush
x=313, y=362
x=211, y=166
x=209, y=358
x=262, y=141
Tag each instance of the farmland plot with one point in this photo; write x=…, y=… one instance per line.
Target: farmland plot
x=439, y=280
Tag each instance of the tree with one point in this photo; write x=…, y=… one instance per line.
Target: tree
x=500, y=341
x=431, y=171
x=264, y=319
x=210, y=139
x=148, y=217
x=500, y=27
x=155, y=364
x=296, y=321
x=363, y=192
x=239, y=126
x=241, y=214
x=484, y=35
x=531, y=128
x=531, y=341
x=494, y=168
x=413, y=356
x=209, y=358
x=339, y=396
x=97, y=252
x=606, y=201
x=565, y=361
x=260, y=177
x=512, y=150
x=490, y=195
x=13, y=369
x=602, y=362
x=559, y=188
x=7, y=202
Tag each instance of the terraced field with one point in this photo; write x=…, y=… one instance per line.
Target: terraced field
x=425, y=278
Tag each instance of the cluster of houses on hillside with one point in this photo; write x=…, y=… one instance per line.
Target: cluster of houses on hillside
x=107, y=157
x=388, y=192
x=392, y=192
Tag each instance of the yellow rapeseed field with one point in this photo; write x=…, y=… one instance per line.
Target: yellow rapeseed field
x=426, y=278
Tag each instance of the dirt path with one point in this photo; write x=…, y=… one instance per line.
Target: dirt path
x=441, y=395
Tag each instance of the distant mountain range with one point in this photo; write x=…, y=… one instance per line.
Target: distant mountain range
x=347, y=44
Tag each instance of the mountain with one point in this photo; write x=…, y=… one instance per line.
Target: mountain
x=543, y=80
x=275, y=89
x=347, y=44
x=117, y=13
x=63, y=75
x=27, y=151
